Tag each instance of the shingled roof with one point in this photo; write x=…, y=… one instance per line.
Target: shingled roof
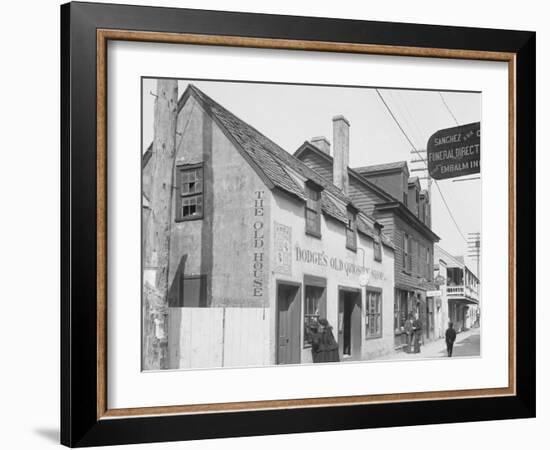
x=273, y=160
x=269, y=156
x=381, y=167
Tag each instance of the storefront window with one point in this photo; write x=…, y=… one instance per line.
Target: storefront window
x=313, y=309
x=401, y=310
x=373, y=315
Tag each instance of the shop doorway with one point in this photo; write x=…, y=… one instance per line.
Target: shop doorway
x=288, y=323
x=349, y=323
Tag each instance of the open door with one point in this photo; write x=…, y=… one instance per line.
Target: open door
x=349, y=324
x=288, y=324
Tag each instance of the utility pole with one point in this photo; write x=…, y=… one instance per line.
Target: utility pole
x=157, y=229
x=421, y=158
x=474, y=247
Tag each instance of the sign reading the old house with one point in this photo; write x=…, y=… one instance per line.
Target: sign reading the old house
x=283, y=252
x=454, y=152
x=258, y=239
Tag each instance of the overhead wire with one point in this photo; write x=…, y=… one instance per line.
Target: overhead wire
x=423, y=160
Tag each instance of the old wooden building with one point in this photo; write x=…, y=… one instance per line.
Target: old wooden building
x=460, y=293
x=395, y=200
x=262, y=246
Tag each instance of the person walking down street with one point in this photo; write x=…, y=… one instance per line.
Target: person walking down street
x=450, y=337
x=329, y=346
x=410, y=333
x=316, y=351
x=417, y=327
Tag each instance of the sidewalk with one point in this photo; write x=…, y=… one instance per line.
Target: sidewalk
x=467, y=344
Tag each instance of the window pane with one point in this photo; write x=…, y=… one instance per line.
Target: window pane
x=312, y=309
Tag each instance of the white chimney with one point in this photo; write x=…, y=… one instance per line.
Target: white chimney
x=322, y=143
x=340, y=138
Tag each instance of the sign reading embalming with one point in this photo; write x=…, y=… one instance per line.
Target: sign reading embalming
x=283, y=252
x=454, y=152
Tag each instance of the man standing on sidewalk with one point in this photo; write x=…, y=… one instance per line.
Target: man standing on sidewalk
x=417, y=327
x=450, y=337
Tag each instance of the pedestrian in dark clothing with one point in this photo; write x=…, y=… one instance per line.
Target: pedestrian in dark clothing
x=409, y=332
x=417, y=327
x=329, y=346
x=316, y=352
x=450, y=337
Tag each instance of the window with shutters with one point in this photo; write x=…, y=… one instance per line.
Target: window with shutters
x=351, y=231
x=377, y=247
x=192, y=291
x=373, y=315
x=429, y=271
x=414, y=257
x=407, y=256
x=190, y=186
x=313, y=211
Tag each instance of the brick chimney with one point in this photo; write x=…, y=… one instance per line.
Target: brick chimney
x=322, y=143
x=340, y=138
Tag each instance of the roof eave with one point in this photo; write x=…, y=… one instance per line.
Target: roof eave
x=415, y=221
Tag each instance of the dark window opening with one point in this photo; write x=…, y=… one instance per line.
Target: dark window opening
x=192, y=291
x=190, y=193
x=314, y=309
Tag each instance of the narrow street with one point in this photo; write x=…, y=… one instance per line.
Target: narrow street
x=467, y=344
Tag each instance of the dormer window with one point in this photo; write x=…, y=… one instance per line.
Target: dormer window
x=351, y=230
x=313, y=210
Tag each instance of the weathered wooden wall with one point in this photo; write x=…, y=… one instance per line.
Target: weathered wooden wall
x=218, y=337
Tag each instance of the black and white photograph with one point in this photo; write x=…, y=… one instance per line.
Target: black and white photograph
x=306, y=224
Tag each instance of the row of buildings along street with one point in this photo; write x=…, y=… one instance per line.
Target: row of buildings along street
x=252, y=252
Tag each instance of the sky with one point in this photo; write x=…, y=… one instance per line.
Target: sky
x=292, y=114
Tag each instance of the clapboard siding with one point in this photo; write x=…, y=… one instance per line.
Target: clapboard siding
x=318, y=164
x=218, y=337
x=411, y=280
x=386, y=220
x=362, y=196
x=366, y=198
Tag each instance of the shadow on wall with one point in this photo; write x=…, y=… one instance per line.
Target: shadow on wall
x=49, y=434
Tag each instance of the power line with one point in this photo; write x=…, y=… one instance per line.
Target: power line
x=423, y=160
x=398, y=124
x=447, y=106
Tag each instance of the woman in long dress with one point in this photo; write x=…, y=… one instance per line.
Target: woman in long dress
x=328, y=345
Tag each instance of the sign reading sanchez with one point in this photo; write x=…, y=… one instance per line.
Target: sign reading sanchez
x=454, y=152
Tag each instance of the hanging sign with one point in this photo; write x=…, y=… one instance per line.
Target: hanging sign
x=454, y=152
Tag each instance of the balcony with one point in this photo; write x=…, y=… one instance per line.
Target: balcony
x=468, y=293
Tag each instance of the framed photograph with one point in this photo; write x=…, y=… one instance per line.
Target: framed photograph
x=276, y=224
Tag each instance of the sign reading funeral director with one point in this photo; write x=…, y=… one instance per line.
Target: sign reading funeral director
x=454, y=152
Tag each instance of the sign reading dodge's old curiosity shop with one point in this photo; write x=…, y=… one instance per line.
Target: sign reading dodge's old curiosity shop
x=454, y=152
